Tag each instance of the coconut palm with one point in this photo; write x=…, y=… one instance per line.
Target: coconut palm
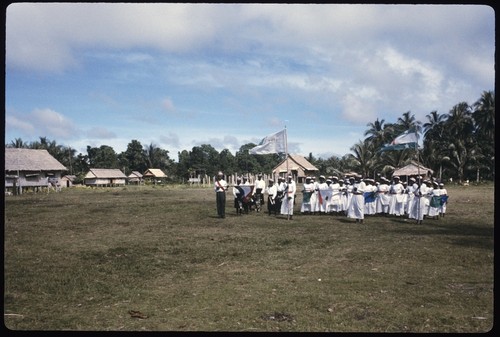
x=459, y=130
x=484, y=115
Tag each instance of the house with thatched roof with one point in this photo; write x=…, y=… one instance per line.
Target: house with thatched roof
x=413, y=169
x=298, y=166
x=105, y=177
x=155, y=175
x=31, y=168
x=68, y=180
x=135, y=178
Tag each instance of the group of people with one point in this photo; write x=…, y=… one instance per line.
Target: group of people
x=352, y=196
x=356, y=197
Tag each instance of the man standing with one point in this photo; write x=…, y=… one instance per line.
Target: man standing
x=272, y=192
x=220, y=194
x=260, y=186
x=289, y=195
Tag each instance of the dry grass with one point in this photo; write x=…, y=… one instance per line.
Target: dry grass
x=158, y=259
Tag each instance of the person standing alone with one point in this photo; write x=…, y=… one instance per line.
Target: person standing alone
x=220, y=194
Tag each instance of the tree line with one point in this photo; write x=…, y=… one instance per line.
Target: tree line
x=459, y=144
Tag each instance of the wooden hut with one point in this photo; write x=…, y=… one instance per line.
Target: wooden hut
x=68, y=180
x=413, y=169
x=105, y=177
x=135, y=178
x=31, y=169
x=155, y=175
x=298, y=166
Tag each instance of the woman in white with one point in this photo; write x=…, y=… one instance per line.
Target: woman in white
x=383, y=197
x=419, y=201
x=396, y=202
x=323, y=191
x=435, y=201
x=412, y=187
x=444, y=194
x=307, y=191
x=335, y=206
x=370, y=205
x=343, y=196
x=357, y=206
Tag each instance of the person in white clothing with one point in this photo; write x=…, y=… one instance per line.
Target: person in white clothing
x=322, y=189
x=396, y=202
x=335, y=206
x=370, y=196
x=288, y=198
x=383, y=197
x=314, y=196
x=258, y=192
x=419, y=201
x=307, y=191
x=435, y=201
x=444, y=199
x=220, y=193
x=357, y=206
x=272, y=192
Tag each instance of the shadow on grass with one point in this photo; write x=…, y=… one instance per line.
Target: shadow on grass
x=468, y=235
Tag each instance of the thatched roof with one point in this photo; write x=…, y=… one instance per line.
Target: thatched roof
x=31, y=160
x=156, y=173
x=105, y=174
x=413, y=169
x=296, y=163
x=135, y=174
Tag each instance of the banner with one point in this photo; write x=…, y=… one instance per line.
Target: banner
x=406, y=140
x=245, y=192
x=275, y=143
x=369, y=197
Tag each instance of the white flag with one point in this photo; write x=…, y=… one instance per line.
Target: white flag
x=409, y=136
x=275, y=143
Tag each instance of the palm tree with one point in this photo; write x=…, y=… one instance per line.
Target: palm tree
x=378, y=133
x=407, y=122
x=363, y=157
x=484, y=114
x=18, y=143
x=459, y=129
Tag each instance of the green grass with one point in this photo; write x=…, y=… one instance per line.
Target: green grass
x=83, y=259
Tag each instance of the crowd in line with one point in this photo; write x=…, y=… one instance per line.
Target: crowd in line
x=352, y=196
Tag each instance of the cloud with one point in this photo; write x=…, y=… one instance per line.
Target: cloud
x=14, y=123
x=171, y=139
x=100, y=133
x=42, y=122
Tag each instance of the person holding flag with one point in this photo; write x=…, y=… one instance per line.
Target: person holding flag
x=220, y=194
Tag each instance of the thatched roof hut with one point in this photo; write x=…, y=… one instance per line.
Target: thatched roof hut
x=298, y=166
x=413, y=169
x=31, y=168
x=104, y=177
x=31, y=160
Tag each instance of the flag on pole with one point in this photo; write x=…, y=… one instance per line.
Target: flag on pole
x=275, y=143
x=406, y=140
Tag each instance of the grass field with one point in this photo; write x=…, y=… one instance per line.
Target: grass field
x=159, y=259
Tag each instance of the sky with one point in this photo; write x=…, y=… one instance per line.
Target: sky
x=182, y=75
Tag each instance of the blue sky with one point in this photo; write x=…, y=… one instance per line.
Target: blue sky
x=182, y=75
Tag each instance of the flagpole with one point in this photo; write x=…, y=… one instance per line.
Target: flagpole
x=418, y=171
x=287, y=173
